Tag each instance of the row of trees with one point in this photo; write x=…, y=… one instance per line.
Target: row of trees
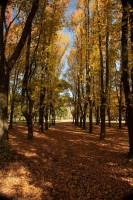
x=32, y=49
x=100, y=63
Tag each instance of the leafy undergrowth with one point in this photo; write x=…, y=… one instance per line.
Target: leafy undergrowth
x=67, y=163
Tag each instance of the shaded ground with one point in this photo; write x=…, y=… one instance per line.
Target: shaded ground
x=67, y=163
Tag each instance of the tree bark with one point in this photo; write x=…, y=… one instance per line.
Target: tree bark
x=84, y=115
x=41, y=110
x=41, y=113
x=81, y=121
x=4, y=79
x=109, y=117
x=125, y=75
x=97, y=115
x=12, y=102
x=53, y=115
x=46, y=118
x=120, y=106
x=90, y=117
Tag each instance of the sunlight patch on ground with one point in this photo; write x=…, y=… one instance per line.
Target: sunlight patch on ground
x=20, y=181
x=111, y=164
x=71, y=131
x=77, y=141
x=30, y=154
x=43, y=136
x=128, y=180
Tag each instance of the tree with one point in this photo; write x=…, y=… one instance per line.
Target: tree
x=7, y=65
x=126, y=72
x=50, y=58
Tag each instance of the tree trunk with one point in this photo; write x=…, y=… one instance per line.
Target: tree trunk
x=14, y=87
x=29, y=119
x=27, y=110
x=84, y=116
x=77, y=116
x=53, y=115
x=97, y=115
x=130, y=129
x=120, y=107
x=84, y=121
x=102, y=114
x=41, y=111
x=90, y=117
x=103, y=100
x=78, y=106
x=125, y=75
x=107, y=95
x=46, y=118
x=3, y=107
x=11, y=114
x=41, y=117
x=4, y=79
x=81, y=121
x=109, y=117
x=73, y=119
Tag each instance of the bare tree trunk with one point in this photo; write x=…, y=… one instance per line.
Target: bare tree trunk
x=29, y=119
x=109, y=117
x=53, y=115
x=41, y=110
x=90, y=117
x=14, y=87
x=120, y=107
x=84, y=116
x=81, y=121
x=125, y=75
x=97, y=115
x=46, y=117
x=4, y=78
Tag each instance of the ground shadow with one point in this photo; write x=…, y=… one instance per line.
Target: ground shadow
x=68, y=163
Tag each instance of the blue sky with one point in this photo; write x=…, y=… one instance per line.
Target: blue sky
x=71, y=8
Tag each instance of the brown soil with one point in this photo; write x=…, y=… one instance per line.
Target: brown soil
x=67, y=163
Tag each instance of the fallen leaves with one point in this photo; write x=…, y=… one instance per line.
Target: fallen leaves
x=66, y=163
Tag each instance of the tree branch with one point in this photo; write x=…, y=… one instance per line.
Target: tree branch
x=12, y=60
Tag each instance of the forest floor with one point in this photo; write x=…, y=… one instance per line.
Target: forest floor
x=67, y=163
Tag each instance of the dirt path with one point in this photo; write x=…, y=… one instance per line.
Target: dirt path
x=67, y=163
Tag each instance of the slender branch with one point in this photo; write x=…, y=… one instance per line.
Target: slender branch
x=8, y=27
x=12, y=60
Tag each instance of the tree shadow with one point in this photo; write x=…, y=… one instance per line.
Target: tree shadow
x=4, y=197
x=68, y=163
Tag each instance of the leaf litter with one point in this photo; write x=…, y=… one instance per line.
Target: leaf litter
x=67, y=163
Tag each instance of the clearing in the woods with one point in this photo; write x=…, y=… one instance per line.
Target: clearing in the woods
x=67, y=163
